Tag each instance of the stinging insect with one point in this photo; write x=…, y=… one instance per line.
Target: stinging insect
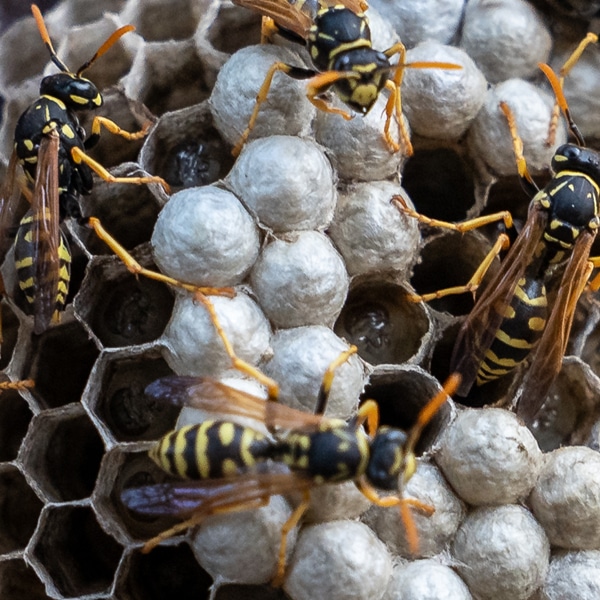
x=50, y=145
x=304, y=450
x=512, y=319
x=338, y=39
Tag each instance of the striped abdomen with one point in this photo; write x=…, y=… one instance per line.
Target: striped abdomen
x=27, y=253
x=521, y=328
x=211, y=449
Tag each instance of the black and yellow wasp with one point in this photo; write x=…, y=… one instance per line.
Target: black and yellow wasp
x=512, y=319
x=229, y=467
x=50, y=145
x=338, y=39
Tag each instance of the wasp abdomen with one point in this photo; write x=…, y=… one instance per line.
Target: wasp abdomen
x=212, y=449
x=522, y=326
x=25, y=250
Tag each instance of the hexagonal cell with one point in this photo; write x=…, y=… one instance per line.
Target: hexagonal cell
x=400, y=393
x=167, y=76
x=62, y=452
x=234, y=28
x=18, y=581
x=153, y=22
x=10, y=332
x=76, y=556
x=61, y=362
x=122, y=470
x=79, y=44
x=449, y=260
x=15, y=416
x=439, y=183
x=19, y=510
x=25, y=55
x=70, y=13
x=166, y=572
x=119, y=399
x=119, y=308
x=185, y=149
x=386, y=327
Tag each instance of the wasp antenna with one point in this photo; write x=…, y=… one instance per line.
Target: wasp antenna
x=37, y=15
x=112, y=39
x=562, y=101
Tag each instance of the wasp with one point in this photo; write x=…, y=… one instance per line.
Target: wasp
x=50, y=145
x=338, y=39
x=513, y=319
x=230, y=467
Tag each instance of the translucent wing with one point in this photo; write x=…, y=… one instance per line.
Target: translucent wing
x=548, y=355
x=478, y=331
x=285, y=14
x=45, y=231
x=210, y=395
x=210, y=496
x=13, y=205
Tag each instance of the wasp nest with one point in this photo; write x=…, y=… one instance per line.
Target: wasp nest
x=301, y=226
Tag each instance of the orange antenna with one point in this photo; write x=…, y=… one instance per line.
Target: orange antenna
x=39, y=20
x=562, y=101
x=112, y=39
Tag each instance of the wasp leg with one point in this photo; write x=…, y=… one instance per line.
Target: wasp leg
x=199, y=517
x=268, y=29
x=200, y=294
x=294, y=72
x=394, y=103
x=502, y=243
x=320, y=84
x=412, y=535
x=285, y=530
x=328, y=379
x=594, y=284
x=527, y=182
x=461, y=227
x=111, y=126
x=17, y=385
x=79, y=157
x=369, y=412
x=560, y=103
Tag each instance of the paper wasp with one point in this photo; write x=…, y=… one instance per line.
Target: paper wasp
x=512, y=319
x=338, y=39
x=50, y=145
x=230, y=467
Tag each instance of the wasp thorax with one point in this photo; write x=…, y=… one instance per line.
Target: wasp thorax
x=76, y=92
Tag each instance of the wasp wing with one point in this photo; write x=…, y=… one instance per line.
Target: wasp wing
x=548, y=355
x=285, y=14
x=210, y=395
x=12, y=204
x=212, y=496
x=479, y=329
x=45, y=231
